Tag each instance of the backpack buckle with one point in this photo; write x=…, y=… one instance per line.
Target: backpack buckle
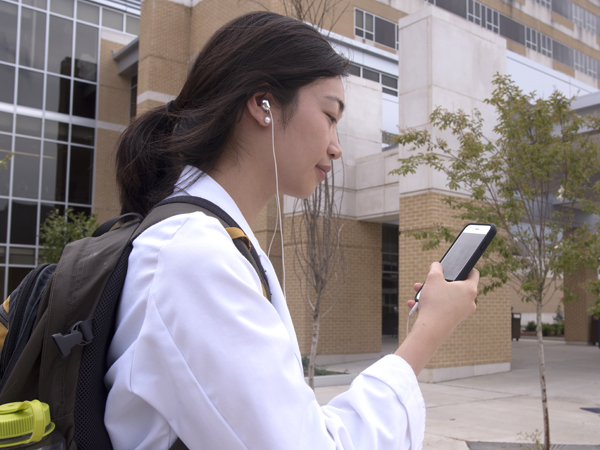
x=80, y=334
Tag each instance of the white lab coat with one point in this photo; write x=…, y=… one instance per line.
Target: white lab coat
x=200, y=354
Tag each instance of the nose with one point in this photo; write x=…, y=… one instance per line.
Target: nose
x=334, y=150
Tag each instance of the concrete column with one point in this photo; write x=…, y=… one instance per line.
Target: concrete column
x=447, y=61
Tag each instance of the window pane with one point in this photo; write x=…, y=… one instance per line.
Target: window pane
x=82, y=135
x=111, y=19
x=41, y=4
x=8, y=32
x=64, y=7
x=358, y=17
x=54, y=171
x=512, y=30
x=33, y=38
x=459, y=8
x=81, y=209
x=31, y=126
x=133, y=97
x=6, y=122
x=57, y=131
x=388, y=81
x=86, y=52
x=370, y=74
x=88, y=13
x=3, y=219
x=562, y=53
x=58, y=94
x=369, y=22
x=59, y=45
x=132, y=25
x=353, y=70
x=80, y=175
x=15, y=276
x=385, y=32
x=7, y=81
x=389, y=91
x=27, y=168
x=23, y=223
x=31, y=87
x=84, y=100
x=5, y=149
x=21, y=255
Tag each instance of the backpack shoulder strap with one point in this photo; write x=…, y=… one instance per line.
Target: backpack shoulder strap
x=186, y=204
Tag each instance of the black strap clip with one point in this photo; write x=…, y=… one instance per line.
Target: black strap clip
x=80, y=334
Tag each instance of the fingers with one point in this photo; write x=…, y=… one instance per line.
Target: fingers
x=410, y=304
x=417, y=286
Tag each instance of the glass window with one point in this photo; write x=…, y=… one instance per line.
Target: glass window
x=370, y=74
x=359, y=22
x=88, y=13
x=112, y=19
x=132, y=25
x=354, y=70
x=54, y=171
x=369, y=26
x=385, y=32
x=31, y=88
x=41, y=4
x=60, y=42
x=133, y=97
x=64, y=7
x=57, y=131
x=453, y=6
x=2, y=271
x=80, y=175
x=86, y=52
x=562, y=53
x=512, y=29
x=82, y=135
x=2, y=261
x=84, y=99
x=31, y=126
x=26, y=169
x=6, y=122
x=5, y=150
x=82, y=209
x=3, y=219
x=8, y=31
x=22, y=255
x=58, y=94
x=7, y=81
x=33, y=38
x=15, y=276
x=23, y=223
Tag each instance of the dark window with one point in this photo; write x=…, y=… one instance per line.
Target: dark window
x=23, y=223
x=26, y=171
x=58, y=94
x=389, y=279
x=5, y=149
x=562, y=53
x=385, y=32
x=8, y=32
x=54, y=171
x=6, y=122
x=456, y=7
x=132, y=25
x=82, y=209
x=64, y=7
x=21, y=255
x=82, y=135
x=3, y=219
x=31, y=126
x=563, y=7
x=57, y=131
x=86, y=52
x=15, y=276
x=59, y=45
x=84, y=99
x=370, y=75
x=133, y=97
x=41, y=4
x=353, y=70
x=80, y=175
x=7, y=81
x=512, y=29
x=33, y=38
x=31, y=88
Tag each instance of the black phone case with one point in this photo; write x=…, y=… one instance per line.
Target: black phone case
x=464, y=273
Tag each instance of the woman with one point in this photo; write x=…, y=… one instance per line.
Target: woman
x=199, y=354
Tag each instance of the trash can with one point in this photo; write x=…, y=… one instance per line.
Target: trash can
x=594, y=332
x=516, y=326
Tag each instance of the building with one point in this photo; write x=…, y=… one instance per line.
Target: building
x=73, y=73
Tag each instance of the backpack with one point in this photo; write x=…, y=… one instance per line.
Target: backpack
x=60, y=322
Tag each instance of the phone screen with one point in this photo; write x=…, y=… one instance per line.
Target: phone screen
x=463, y=248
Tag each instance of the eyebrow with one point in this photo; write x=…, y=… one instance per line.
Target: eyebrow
x=338, y=100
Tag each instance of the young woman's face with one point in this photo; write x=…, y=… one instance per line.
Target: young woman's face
x=308, y=143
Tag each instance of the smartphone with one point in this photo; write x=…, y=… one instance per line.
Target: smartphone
x=465, y=251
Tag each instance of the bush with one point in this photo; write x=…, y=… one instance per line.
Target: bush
x=547, y=329
x=530, y=326
x=60, y=229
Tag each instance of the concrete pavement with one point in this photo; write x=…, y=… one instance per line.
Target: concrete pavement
x=506, y=407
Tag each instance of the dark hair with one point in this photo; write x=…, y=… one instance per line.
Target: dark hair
x=257, y=52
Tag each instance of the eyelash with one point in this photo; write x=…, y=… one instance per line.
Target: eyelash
x=333, y=119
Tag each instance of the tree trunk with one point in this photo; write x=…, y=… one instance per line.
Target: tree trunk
x=313, y=347
x=542, y=373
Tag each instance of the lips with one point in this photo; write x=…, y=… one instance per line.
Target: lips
x=323, y=170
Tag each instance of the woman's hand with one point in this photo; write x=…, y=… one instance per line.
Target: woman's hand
x=442, y=306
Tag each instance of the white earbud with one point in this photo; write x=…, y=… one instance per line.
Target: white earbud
x=266, y=106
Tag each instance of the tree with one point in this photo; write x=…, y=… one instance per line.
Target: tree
x=60, y=229
x=319, y=259
x=536, y=179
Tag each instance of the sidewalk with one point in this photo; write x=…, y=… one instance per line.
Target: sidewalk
x=506, y=407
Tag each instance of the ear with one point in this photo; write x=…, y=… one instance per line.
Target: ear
x=255, y=108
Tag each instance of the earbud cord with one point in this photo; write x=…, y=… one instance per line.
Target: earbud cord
x=278, y=220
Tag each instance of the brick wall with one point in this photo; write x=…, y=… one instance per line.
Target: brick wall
x=577, y=319
x=484, y=337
